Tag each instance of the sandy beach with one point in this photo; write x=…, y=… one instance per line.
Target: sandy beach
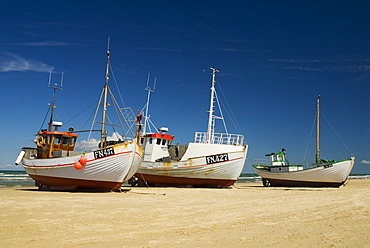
x=247, y=215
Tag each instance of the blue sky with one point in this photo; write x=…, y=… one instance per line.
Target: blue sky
x=274, y=58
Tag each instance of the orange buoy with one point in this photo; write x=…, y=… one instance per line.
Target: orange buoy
x=78, y=166
x=83, y=161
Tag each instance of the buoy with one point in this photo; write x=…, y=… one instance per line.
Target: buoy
x=83, y=161
x=78, y=166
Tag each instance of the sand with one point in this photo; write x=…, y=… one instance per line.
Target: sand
x=247, y=215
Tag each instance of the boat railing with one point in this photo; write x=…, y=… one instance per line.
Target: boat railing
x=262, y=161
x=219, y=138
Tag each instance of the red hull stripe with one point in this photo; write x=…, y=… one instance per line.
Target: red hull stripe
x=160, y=135
x=194, y=166
x=55, y=183
x=184, y=181
x=61, y=165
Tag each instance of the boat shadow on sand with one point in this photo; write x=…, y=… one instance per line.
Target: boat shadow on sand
x=126, y=190
x=284, y=188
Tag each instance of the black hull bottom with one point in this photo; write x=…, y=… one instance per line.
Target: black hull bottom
x=287, y=183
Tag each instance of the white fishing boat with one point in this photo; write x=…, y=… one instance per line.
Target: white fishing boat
x=211, y=160
x=323, y=173
x=54, y=165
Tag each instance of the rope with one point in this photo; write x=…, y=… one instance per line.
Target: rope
x=345, y=182
x=144, y=193
x=146, y=183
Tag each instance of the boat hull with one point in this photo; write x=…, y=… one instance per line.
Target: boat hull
x=329, y=175
x=106, y=171
x=195, y=169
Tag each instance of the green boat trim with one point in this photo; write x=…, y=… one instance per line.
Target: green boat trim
x=305, y=167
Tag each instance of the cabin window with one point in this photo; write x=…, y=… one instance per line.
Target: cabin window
x=57, y=140
x=151, y=141
x=275, y=158
x=142, y=140
x=47, y=141
x=158, y=141
x=281, y=158
x=163, y=142
x=65, y=140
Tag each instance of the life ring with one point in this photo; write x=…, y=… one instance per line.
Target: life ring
x=40, y=141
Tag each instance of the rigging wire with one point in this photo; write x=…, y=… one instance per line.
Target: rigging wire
x=337, y=134
x=115, y=81
x=115, y=108
x=87, y=121
x=229, y=111
x=150, y=123
x=92, y=123
x=114, y=130
x=313, y=125
x=120, y=110
x=47, y=112
x=93, y=103
x=222, y=115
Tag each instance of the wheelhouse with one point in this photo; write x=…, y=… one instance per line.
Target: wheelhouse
x=53, y=144
x=279, y=158
x=157, y=139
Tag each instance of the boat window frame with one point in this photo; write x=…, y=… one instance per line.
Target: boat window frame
x=57, y=139
x=48, y=139
x=72, y=141
x=65, y=141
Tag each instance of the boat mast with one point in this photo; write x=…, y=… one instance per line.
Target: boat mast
x=54, y=87
x=211, y=120
x=146, y=117
x=318, y=131
x=103, y=135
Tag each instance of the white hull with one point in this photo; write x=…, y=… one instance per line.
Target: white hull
x=105, y=173
x=193, y=168
x=334, y=175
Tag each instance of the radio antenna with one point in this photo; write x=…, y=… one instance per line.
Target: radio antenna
x=146, y=116
x=52, y=106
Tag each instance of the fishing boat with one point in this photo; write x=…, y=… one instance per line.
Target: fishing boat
x=55, y=165
x=211, y=160
x=323, y=173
